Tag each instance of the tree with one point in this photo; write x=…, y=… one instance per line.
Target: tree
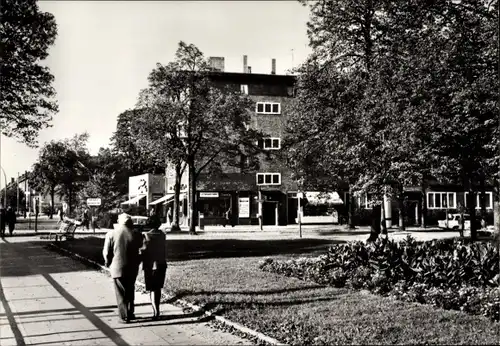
x=44, y=176
x=26, y=105
x=123, y=144
x=425, y=82
x=62, y=164
x=190, y=119
x=108, y=179
x=321, y=141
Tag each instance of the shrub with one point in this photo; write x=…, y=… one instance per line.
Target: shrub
x=450, y=274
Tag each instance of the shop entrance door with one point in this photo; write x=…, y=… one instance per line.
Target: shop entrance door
x=411, y=213
x=269, y=213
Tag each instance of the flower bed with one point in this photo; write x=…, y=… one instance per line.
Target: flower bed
x=449, y=274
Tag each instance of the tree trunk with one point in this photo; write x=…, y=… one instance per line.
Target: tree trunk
x=496, y=205
x=401, y=206
x=375, y=225
x=423, y=216
x=382, y=218
x=482, y=199
x=350, y=211
x=471, y=202
x=70, y=198
x=52, y=192
x=192, y=198
x=177, y=191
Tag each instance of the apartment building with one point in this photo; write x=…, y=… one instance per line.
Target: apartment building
x=270, y=192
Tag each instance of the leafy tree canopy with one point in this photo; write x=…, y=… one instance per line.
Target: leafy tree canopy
x=27, y=104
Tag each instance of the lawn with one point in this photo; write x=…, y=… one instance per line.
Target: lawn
x=207, y=272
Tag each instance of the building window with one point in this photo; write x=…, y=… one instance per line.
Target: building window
x=488, y=200
x=268, y=108
x=268, y=178
x=244, y=89
x=441, y=200
x=365, y=201
x=270, y=143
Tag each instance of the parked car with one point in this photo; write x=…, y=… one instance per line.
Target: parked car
x=140, y=223
x=454, y=222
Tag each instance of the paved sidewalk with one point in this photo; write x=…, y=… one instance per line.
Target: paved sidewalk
x=50, y=299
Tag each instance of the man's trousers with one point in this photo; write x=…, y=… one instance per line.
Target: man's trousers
x=125, y=292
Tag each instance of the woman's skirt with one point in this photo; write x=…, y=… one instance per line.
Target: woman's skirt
x=154, y=279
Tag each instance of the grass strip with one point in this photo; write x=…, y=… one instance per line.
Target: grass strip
x=298, y=312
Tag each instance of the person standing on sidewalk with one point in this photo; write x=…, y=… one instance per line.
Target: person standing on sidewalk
x=3, y=221
x=121, y=255
x=11, y=219
x=154, y=263
x=85, y=219
x=60, y=213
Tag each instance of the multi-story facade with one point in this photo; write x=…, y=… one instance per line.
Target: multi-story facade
x=270, y=192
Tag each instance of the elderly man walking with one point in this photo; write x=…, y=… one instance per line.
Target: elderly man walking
x=121, y=255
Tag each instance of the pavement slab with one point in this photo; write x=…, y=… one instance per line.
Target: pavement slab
x=49, y=299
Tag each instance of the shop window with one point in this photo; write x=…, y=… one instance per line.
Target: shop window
x=365, y=201
x=270, y=143
x=214, y=207
x=488, y=200
x=441, y=200
x=268, y=108
x=268, y=178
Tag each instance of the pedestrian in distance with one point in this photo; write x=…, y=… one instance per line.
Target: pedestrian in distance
x=154, y=263
x=85, y=219
x=11, y=220
x=228, y=217
x=121, y=255
x=169, y=216
x=3, y=221
x=60, y=213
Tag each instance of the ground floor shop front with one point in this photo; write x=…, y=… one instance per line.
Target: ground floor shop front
x=275, y=208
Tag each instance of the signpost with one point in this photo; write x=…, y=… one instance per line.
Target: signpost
x=93, y=202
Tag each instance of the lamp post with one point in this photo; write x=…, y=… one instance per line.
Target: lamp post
x=300, y=182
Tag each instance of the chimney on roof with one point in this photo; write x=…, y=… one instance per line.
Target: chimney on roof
x=249, y=69
x=245, y=62
x=216, y=63
x=273, y=66
x=12, y=180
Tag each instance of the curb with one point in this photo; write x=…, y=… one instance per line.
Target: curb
x=221, y=319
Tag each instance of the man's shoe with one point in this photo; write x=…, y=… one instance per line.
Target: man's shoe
x=123, y=321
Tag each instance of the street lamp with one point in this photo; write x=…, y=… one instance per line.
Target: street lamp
x=300, y=182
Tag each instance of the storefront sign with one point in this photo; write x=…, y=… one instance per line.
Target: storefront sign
x=93, y=202
x=209, y=194
x=244, y=207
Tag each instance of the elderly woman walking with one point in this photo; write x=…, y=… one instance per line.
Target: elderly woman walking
x=154, y=263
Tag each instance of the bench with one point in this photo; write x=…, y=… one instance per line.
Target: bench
x=67, y=229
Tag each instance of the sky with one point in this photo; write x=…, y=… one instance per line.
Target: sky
x=105, y=50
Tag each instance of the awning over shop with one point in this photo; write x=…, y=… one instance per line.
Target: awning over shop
x=169, y=197
x=182, y=197
x=316, y=198
x=134, y=200
x=165, y=199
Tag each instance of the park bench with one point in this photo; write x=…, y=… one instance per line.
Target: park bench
x=66, y=229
